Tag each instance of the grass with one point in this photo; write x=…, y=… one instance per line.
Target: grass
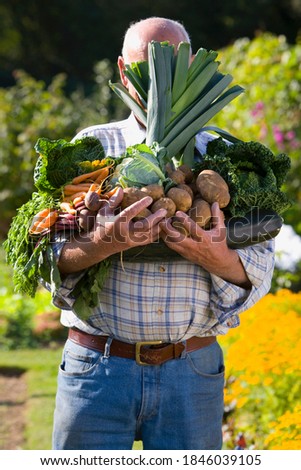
x=41, y=367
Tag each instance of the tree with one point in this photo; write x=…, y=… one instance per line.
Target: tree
x=70, y=36
x=268, y=67
x=29, y=110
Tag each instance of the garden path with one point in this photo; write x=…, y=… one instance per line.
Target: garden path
x=12, y=408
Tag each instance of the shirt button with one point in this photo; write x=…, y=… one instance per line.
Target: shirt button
x=160, y=311
x=162, y=269
x=229, y=323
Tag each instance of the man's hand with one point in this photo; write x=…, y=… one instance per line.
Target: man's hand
x=113, y=232
x=120, y=231
x=207, y=248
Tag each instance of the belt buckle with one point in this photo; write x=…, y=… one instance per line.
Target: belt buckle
x=138, y=351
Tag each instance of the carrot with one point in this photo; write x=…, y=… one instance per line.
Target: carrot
x=110, y=193
x=43, y=213
x=66, y=207
x=72, y=197
x=93, y=187
x=37, y=219
x=43, y=222
x=78, y=197
x=92, y=175
x=70, y=189
x=103, y=175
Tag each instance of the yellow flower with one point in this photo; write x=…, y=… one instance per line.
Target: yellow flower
x=263, y=359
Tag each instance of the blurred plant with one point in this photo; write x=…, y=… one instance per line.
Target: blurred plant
x=270, y=109
x=286, y=431
x=264, y=367
x=25, y=322
x=30, y=109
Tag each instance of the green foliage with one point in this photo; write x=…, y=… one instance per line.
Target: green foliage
x=41, y=382
x=18, y=312
x=253, y=173
x=270, y=109
x=30, y=110
x=287, y=279
x=65, y=35
x=59, y=161
x=140, y=167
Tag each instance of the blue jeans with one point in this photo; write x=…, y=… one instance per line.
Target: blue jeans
x=108, y=402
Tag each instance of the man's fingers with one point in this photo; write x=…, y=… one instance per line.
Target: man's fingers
x=116, y=198
x=189, y=225
x=148, y=222
x=133, y=210
x=218, y=218
x=169, y=233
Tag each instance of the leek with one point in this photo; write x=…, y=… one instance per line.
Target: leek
x=177, y=99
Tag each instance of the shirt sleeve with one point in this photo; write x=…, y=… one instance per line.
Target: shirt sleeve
x=228, y=300
x=63, y=298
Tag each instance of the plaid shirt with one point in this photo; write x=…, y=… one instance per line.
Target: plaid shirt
x=168, y=300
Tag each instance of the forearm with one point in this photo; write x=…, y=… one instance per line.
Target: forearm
x=207, y=248
x=82, y=252
x=229, y=268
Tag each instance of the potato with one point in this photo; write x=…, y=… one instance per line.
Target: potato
x=131, y=195
x=181, y=198
x=212, y=187
x=169, y=168
x=177, y=176
x=186, y=188
x=164, y=203
x=155, y=191
x=193, y=187
x=187, y=172
x=200, y=212
x=142, y=214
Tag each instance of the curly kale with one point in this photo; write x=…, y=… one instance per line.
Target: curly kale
x=253, y=173
x=60, y=161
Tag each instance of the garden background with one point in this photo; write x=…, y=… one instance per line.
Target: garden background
x=56, y=59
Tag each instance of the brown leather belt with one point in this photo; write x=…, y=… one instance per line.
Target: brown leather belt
x=144, y=352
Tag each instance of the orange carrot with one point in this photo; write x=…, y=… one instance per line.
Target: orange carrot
x=41, y=223
x=72, y=197
x=78, y=197
x=110, y=193
x=92, y=175
x=94, y=187
x=103, y=175
x=39, y=217
x=66, y=207
x=70, y=189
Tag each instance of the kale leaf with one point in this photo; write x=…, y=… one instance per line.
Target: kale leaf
x=60, y=161
x=253, y=173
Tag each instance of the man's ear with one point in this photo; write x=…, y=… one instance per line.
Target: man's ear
x=121, y=67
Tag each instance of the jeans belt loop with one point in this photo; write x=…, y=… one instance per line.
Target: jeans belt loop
x=106, y=353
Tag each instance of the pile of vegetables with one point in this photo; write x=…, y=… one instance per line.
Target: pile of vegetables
x=68, y=177
x=176, y=100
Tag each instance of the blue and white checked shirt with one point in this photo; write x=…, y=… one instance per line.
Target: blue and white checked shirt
x=164, y=300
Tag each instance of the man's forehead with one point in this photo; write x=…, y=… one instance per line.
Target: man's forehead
x=137, y=45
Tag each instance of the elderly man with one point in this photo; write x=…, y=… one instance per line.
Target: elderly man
x=146, y=364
